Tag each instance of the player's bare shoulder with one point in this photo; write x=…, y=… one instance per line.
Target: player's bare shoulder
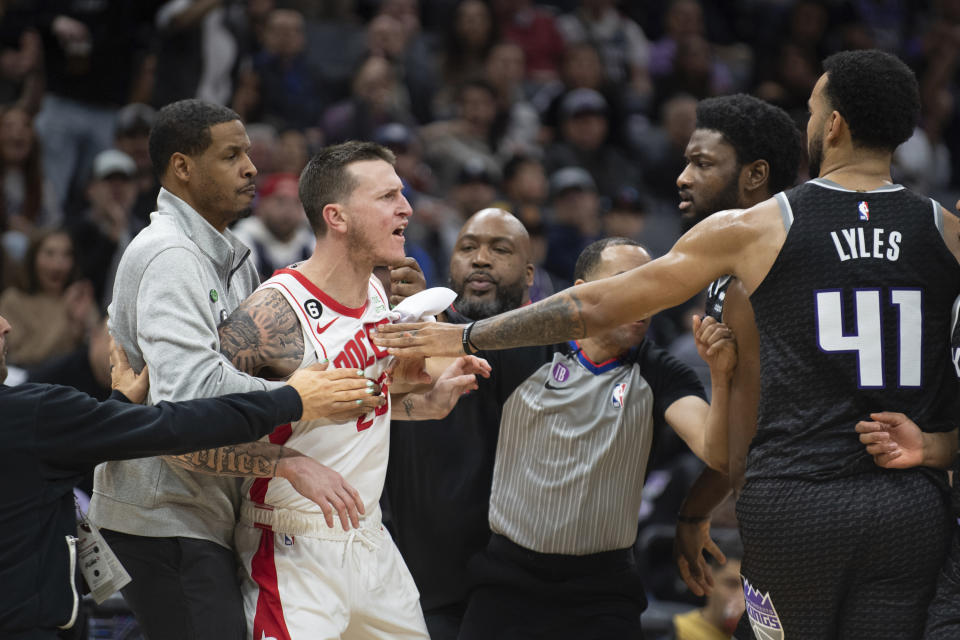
x=755, y=235
x=263, y=336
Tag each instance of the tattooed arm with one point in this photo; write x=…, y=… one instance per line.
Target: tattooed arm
x=742, y=243
x=263, y=337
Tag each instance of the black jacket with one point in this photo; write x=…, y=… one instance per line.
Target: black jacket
x=52, y=435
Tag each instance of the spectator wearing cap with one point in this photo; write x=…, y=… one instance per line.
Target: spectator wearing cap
x=584, y=143
x=131, y=136
x=278, y=233
x=474, y=188
x=101, y=235
x=574, y=221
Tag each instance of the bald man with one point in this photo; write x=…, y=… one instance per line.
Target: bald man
x=439, y=471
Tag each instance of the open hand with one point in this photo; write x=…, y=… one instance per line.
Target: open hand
x=459, y=378
x=336, y=394
x=689, y=542
x=420, y=339
x=893, y=439
x=325, y=487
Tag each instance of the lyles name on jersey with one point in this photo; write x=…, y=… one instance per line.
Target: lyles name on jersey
x=859, y=242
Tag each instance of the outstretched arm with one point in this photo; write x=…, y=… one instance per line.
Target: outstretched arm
x=743, y=243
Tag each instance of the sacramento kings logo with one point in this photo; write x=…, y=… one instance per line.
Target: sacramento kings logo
x=763, y=616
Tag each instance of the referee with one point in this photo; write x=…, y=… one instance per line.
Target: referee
x=574, y=442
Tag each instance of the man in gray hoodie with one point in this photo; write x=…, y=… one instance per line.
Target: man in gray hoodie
x=172, y=527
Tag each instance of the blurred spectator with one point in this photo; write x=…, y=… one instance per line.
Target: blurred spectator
x=622, y=43
x=695, y=71
x=504, y=71
x=286, y=86
x=525, y=190
x=584, y=143
x=196, y=52
x=534, y=29
x=476, y=132
x=131, y=136
x=109, y=224
x=582, y=69
x=683, y=18
x=28, y=199
x=661, y=150
x=790, y=80
x=377, y=98
x=93, y=52
x=264, y=148
x=21, y=56
x=411, y=168
x=86, y=368
x=395, y=35
x=293, y=152
x=52, y=293
x=623, y=216
x=574, y=223
x=717, y=619
x=466, y=47
x=278, y=233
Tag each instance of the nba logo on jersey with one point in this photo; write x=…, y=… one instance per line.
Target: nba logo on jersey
x=288, y=540
x=864, y=210
x=619, y=392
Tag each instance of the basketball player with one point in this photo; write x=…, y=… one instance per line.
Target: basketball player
x=306, y=576
x=742, y=152
x=851, y=279
x=169, y=522
x=896, y=442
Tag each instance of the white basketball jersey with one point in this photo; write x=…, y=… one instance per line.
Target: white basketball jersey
x=357, y=449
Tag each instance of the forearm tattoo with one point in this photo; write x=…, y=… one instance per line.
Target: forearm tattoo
x=252, y=459
x=556, y=319
x=263, y=335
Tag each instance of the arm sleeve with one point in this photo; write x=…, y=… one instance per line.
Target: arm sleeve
x=177, y=333
x=75, y=430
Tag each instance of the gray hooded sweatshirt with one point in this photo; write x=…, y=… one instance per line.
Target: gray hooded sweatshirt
x=176, y=282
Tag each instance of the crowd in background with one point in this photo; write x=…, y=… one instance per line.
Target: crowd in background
x=572, y=114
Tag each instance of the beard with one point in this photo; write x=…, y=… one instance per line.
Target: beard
x=727, y=198
x=507, y=298
x=815, y=154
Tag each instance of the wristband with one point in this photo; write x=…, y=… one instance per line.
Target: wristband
x=692, y=519
x=468, y=347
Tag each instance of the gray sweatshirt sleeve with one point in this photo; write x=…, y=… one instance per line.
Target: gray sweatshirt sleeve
x=177, y=333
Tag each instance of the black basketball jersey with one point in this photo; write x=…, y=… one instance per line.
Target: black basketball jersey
x=854, y=317
x=716, y=296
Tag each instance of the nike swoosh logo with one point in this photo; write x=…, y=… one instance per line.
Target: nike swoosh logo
x=326, y=326
x=550, y=386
